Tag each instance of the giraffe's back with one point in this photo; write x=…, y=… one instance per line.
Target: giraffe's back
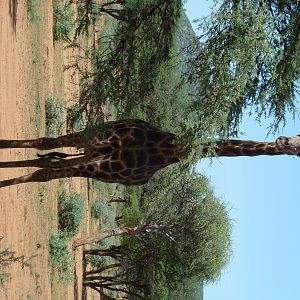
x=132, y=152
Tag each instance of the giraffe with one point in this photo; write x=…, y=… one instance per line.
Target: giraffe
x=126, y=151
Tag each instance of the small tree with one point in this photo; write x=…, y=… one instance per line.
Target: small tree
x=176, y=240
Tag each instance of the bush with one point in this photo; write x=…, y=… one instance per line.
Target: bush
x=101, y=210
x=60, y=256
x=63, y=21
x=54, y=116
x=98, y=210
x=71, y=209
x=98, y=261
x=32, y=10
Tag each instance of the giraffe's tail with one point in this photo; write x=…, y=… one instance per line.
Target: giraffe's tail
x=58, y=155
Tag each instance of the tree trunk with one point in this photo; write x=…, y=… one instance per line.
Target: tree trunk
x=101, y=269
x=106, y=234
x=121, y=231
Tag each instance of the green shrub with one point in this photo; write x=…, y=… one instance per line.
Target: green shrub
x=3, y=279
x=77, y=120
x=63, y=21
x=98, y=261
x=101, y=210
x=32, y=10
x=71, y=209
x=42, y=193
x=60, y=256
x=54, y=116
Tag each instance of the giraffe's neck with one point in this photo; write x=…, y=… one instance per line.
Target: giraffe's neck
x=282, y=145
x=231, y=148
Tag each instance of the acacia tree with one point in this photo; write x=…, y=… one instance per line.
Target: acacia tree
x=128, y=54
x=247, y=59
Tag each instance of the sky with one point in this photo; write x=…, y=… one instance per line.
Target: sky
x=263, y=194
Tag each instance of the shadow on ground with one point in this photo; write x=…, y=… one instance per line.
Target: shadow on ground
x=13, y=5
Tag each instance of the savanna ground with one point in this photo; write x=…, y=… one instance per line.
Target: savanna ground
x=31, y=70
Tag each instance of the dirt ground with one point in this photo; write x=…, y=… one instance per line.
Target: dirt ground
x=30, y=70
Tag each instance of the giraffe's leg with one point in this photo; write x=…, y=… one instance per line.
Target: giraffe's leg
x=38, y=163
x=44, y=175
x=69, y=140
x=45, y=162
x=37, y=176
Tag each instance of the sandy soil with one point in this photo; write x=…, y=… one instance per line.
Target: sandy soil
x=30, y=70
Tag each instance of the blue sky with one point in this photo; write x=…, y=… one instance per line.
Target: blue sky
x=263, y=193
